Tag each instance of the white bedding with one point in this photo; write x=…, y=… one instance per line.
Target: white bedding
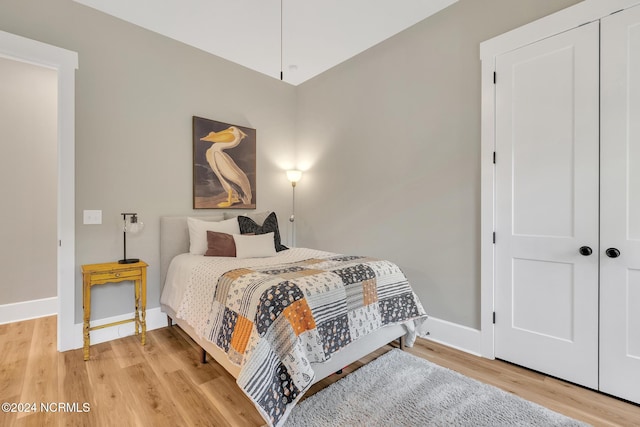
x=276, y=317
x=178, y=292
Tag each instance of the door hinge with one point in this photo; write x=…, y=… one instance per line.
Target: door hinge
x=494, y=317
x=494, y=237
x=494, y=157
x=494, y=77
x=60, y=243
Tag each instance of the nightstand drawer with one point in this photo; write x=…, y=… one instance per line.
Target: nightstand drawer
x=114, y=275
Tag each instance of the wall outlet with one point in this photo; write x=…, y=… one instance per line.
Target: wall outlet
x=92, y=217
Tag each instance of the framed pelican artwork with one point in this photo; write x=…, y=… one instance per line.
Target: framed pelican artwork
x=224, y=165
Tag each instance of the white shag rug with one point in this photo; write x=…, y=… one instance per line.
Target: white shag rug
x=399, y=389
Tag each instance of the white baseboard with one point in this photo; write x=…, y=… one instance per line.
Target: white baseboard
x=155, y=319
x=26, y=310
x=441, y=331
x=451, y=334
x=454, y=335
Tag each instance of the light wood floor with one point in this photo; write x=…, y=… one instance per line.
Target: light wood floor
x=164, y=384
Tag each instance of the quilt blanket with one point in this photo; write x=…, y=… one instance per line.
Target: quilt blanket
x=274, y=321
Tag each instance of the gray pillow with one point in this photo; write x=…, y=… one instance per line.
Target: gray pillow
x=270, y=225
x=258, y=217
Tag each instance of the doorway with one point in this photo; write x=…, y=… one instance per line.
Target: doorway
x=16, y=48
x=28, y=183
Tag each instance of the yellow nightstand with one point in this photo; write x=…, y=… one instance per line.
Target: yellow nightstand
x=113, y=272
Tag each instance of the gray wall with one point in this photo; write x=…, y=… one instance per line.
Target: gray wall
x=136, y=92
x=391, y=141
x=28, y=175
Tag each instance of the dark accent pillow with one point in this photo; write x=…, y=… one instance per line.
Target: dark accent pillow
x=270, y=224
x=220, y=244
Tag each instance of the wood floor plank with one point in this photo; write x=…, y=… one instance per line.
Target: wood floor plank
x=17, y=342
x=164, y=384
x=178, y=339
x=14, y=354
x=40, y=419
x=74, y=387
x=109, y=395
x=12, y=376
x=194, y=405
x=232, y=402
x=156, y=355
x=8, y=418
x=185, y=393
x=41, y=376
x=153, y=403
x=127, y=351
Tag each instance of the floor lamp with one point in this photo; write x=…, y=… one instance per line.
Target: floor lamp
x=293, y=176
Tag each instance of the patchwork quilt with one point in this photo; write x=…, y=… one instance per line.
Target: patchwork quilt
x=275, y=320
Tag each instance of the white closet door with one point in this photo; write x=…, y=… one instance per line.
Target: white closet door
x=547, y=119
x=620, y=206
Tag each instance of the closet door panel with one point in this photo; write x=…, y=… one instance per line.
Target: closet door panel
x=547, y=127
x=620, y=205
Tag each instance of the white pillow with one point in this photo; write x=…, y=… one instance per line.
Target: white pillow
x=254, y=246
x=198, y=232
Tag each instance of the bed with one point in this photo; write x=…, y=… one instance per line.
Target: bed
x=280, y=323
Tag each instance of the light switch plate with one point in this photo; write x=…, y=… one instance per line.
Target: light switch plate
x=92, y=217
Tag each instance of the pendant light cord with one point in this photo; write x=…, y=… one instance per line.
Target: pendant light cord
x=281, y=74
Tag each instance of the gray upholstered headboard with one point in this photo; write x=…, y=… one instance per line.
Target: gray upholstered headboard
x=174, y=239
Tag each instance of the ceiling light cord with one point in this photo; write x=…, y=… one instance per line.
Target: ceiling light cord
x=281, y=73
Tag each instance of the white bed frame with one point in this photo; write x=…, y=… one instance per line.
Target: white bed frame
x=174, y=240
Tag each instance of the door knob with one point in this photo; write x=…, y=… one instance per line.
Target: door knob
x=585, y=250
x=612, y=253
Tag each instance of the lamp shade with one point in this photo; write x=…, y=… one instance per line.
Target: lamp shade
x=133, y=226
x=294, y=175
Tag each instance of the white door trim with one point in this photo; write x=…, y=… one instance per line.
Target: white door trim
x=65, y=62
x=571, y=17
x=566, y=19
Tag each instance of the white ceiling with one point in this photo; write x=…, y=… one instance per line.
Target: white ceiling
x=316, y=34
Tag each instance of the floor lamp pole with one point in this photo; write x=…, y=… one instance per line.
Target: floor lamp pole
x=292, y=218
x=293, y=176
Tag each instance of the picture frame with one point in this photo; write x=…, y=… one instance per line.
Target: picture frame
x=224, y=165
